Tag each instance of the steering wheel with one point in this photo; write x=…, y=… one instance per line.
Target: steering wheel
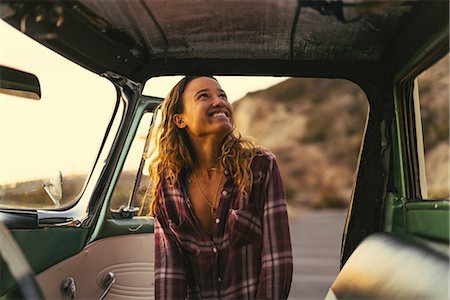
x=18, y=265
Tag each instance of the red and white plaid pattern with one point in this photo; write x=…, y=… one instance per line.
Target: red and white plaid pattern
x=249, y=254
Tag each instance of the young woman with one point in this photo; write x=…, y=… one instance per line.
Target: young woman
x=221, y=227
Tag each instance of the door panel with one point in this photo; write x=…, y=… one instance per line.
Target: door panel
x=119, y=245
x=122, y=245
x=42, y=248
x=129, y=257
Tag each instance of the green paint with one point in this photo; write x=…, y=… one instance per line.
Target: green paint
x=397, y=145
x=393, y=214
x=398, y=81
x=104, y=213
x=398, y=219
x=137, y=225
x=429, y=219
x=106, y=225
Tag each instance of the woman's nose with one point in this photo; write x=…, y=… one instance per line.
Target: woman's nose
x=218, y=101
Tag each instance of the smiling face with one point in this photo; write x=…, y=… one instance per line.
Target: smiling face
x=206, y=110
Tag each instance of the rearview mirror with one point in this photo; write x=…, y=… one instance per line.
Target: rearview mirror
x=19, y=83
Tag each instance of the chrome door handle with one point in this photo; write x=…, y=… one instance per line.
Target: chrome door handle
x=107, y=282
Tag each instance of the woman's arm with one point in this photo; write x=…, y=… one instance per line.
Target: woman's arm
x=170, y=273
x=276, y=272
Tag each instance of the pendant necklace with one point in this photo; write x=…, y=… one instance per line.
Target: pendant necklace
x=213, y=204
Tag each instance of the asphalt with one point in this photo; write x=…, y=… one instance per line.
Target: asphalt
x=316, y=241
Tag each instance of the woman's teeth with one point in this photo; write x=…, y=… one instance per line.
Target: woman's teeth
x=219, y=115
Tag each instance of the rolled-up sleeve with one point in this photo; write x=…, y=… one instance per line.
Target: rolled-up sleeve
x=170, y=273
x=276, y=272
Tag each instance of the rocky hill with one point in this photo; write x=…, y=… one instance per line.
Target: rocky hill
x=315, y=128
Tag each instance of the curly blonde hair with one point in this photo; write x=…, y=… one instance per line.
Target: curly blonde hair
x=170, y=150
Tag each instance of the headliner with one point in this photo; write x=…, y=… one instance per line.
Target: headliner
x=250, y=29
x=140, y=39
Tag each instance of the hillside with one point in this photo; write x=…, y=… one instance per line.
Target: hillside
x=315, y=127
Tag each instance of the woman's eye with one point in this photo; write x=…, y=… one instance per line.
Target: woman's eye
x=203, y=96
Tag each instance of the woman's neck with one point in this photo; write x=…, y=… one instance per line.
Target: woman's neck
x=206, y=158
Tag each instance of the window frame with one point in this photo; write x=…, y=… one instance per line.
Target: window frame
x=409, y=154
x=146, y=104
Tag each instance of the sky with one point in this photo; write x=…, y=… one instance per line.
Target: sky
x=62, y=131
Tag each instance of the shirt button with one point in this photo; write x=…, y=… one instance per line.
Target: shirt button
x=219, y=279
x=217, y=220
x=214, y=250
x=224, y=192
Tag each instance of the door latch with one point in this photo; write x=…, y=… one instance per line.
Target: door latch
x=124, y=212
x=68, y=288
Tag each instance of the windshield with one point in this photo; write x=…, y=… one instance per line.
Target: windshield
x=60, y=134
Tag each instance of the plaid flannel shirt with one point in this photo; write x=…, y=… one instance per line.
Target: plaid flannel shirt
x=248, y=255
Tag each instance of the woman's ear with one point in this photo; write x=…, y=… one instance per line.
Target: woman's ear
x=178, y=120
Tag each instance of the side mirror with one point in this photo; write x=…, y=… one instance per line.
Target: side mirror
x=19, y=83
x=54, y=188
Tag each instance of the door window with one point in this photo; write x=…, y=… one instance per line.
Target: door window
x=132, y=184
x=434, y=110
x=56, y=137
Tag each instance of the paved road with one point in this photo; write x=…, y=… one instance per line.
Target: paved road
x=316, y=239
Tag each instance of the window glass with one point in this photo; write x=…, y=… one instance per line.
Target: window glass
x=128, y=177
x=59, y=134
x=434, y=105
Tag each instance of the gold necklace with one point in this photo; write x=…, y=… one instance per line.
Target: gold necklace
x=213, y=204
